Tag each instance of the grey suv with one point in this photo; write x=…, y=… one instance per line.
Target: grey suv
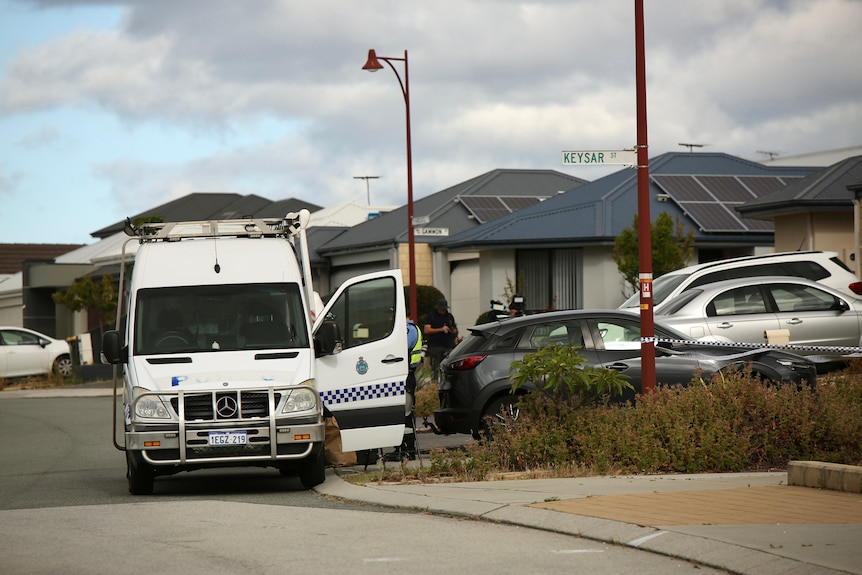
x=474, y=379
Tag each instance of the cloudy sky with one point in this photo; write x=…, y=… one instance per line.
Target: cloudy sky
x=109, y=107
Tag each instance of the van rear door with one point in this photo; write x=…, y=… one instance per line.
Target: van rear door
x=364, y=384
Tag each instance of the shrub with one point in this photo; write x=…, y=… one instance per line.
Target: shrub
x=559, y=370
x=735, y=422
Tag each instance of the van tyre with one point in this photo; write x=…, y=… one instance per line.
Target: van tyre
x=312, y=470
x=139, y=473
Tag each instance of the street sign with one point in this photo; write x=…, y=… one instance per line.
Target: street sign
x=431, y=232
x=600, y=158
x=421, y=220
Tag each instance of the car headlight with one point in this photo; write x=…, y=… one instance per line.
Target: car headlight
x=151, y=407
x=300, y=399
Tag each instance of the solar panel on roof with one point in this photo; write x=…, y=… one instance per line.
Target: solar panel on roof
x=726, y=189
x=488, y=208
x=683, y=188
x=712, y=216
x=765, y=185
x=710, y=200
x=516, y=203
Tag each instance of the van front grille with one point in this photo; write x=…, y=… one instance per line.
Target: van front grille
x=224, y=405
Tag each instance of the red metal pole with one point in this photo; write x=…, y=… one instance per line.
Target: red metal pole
x=373, y=64
x=648, y=381
x=411, y=243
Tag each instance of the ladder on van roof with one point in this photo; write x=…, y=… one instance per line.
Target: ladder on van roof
x=241, y=228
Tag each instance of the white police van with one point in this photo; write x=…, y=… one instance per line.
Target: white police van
x=228, y=362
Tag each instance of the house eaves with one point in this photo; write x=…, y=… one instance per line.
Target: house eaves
x=824, y=190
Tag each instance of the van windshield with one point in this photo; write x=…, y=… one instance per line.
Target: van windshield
x=662, y=287
x=219, y=318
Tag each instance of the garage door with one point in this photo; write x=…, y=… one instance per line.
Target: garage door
x=464, y=300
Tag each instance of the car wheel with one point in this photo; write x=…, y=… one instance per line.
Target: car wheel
x=312, y=470
x=63, y=366
x=139, y=473
x=498, y=413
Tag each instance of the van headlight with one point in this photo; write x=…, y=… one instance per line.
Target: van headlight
x=300, y=399
x=150, y=406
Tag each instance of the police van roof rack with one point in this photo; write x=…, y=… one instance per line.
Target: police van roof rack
x=175, y=231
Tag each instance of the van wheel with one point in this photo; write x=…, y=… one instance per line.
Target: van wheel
x=63, y=366
x=498, y=413
x=312, y=470
x=139, y=473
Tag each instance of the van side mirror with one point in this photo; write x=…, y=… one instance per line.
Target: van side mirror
x=113, y=349
x=327, y=340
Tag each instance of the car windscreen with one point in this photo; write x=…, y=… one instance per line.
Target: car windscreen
x=219, y=318
x=661, y=288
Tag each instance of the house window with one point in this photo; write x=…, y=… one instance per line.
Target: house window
x=550, y=279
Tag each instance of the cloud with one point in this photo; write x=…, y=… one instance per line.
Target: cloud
x=493, y=84
x=43, y=136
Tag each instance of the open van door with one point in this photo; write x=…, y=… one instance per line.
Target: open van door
x=363, y=383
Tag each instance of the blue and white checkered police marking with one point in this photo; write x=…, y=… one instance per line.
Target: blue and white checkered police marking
x=362, y=392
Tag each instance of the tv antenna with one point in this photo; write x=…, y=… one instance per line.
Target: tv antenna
x=772, y=155
x=692, y=146
x=367, y=187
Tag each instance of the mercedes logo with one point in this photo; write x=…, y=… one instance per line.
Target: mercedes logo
x=226, y=406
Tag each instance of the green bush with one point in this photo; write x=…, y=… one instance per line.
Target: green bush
x=732, y=423
x=560, y=371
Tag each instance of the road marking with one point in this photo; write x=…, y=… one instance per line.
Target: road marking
x=641, y=540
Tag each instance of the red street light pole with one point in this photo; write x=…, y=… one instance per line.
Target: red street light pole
x=644, y=240
x=372, y=65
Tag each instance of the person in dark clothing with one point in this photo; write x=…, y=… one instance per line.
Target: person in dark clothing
x=441, y=332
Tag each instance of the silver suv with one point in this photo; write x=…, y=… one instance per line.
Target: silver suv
x=823, y=267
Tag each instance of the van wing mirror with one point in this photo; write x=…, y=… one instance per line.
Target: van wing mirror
x=113, y=349
x=327, y=340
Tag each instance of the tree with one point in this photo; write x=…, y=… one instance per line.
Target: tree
x=86, y=294
x=672, y=248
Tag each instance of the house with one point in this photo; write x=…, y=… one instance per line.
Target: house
x=559, y=251
x=382, y=243
x=12, y=258
x=818, y=212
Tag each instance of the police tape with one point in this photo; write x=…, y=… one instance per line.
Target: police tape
x=835, y=349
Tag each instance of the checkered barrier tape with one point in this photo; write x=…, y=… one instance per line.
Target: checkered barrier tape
x=757, y=347
x=362, y=392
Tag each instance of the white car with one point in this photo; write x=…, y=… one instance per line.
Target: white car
x=743, y=310
x=26, y=352
x=823, y=267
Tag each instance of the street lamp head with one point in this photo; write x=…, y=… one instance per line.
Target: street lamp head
x=372, y=65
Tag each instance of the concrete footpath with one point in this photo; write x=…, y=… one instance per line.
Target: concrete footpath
x=747, y=523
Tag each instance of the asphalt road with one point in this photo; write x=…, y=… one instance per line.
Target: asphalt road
x=64, y=508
